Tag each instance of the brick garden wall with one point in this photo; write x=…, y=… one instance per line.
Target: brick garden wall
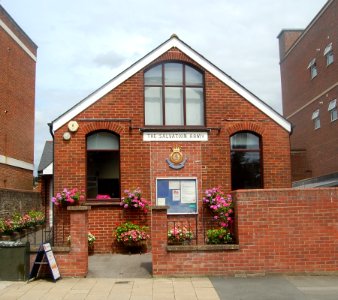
x=278, y=231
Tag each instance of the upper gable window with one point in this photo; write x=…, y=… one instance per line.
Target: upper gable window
x=328, y=52
x=174, y=95
x=313, y=68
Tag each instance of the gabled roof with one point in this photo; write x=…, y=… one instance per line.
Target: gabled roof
x=46, y=157
x=174, y=41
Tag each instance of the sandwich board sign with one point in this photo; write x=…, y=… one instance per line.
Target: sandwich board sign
x=45, y=256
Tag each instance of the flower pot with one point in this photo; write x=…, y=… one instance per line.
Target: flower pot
x=5, y=237
x=90, y=249
x=186, y=242
x=135, y=247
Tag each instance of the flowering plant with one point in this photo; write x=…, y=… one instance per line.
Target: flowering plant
x=218, y=236
x=220, y=204
x=6, y=226
x=129, y=233
x=134, y=199
x=91, y=239
x=66, y=197
x=179, y=234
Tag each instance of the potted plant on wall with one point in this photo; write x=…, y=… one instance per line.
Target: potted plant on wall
x=131, y=235
x=134, y=200
x=67, y=197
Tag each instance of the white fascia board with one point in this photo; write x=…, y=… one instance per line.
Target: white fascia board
x=105, y=89
x=17, y=40
x=173, y=42
x=16, y=163
x=48, y=170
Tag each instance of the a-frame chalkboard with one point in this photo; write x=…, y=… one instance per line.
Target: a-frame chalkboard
x=45, y=256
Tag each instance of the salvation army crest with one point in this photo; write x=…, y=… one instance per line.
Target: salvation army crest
x=176, y=158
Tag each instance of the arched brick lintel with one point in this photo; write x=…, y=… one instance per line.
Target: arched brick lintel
x=110, y=126
x=245, y=126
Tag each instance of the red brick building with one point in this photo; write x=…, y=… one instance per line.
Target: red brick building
x=174, y=125
x=309, y=74
x=17, y=98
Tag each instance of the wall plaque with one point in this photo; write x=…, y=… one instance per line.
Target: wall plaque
x=199, y=136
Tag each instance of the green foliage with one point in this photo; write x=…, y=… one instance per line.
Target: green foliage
x=218, y=236
x=130, y=232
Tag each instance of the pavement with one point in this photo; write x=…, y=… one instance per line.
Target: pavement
x=129, y=277
x=195, y=288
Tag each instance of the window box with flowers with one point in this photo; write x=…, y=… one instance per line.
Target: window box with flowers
x=180, y=235
x=68, y=197
x=134, y=200
x=131, y=235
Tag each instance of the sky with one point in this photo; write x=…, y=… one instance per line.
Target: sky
x=83, y=44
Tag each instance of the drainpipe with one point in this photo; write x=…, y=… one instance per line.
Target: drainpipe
x=50, y=125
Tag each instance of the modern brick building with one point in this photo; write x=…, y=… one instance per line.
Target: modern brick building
x=309, y=74
x=17, y=98
x=174, y=125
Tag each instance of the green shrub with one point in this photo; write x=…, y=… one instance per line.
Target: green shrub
x=218, y=236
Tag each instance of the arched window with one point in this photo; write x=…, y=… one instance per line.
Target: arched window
x=174, y=95
x=103, y=165
x=246, y=167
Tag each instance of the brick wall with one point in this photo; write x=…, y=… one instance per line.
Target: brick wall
x=72, y=260
x=15, y=178
x=18, y=201
x=278, y=231
x=142, y=162
x=302, y=93
x=17, y=94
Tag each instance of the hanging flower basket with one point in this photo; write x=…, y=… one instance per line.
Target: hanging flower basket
x=134, y=200
x=131, y=235
x=221, y=206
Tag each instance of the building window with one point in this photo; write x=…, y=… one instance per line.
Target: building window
x=174, y=95
x=328, y=53
x=313, y=68
x=333, y=110
x=103, y=165
x=246, y=167
x=316, y=119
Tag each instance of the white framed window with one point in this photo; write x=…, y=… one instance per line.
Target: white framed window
x=333, y=110
x=174, y=95
x=313, y=68
x=328, y=53
x=179, y=193
x=103, y=165
x=316, y=119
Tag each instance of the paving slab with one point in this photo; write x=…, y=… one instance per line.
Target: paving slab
x=120, y=266
x=277, y=287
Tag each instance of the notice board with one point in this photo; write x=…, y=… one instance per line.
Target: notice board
x=180, y=194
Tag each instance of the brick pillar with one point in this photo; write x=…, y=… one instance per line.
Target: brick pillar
x=159, y=238
x=79, y=239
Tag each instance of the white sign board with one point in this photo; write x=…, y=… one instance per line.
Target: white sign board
x=199, y=136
